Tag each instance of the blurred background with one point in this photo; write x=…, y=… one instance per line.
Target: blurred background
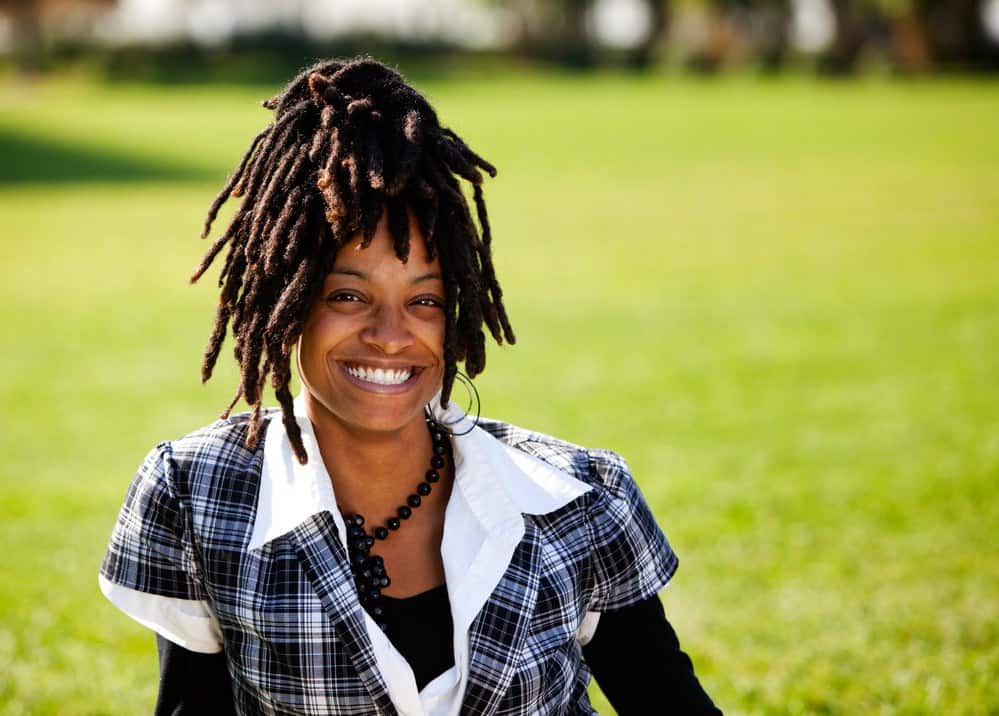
x=752, y=245
x=256, y=40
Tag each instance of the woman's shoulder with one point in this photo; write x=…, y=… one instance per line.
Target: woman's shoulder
x=230, y=429
x=598, y=467
x=631, y=556
x=219, y=446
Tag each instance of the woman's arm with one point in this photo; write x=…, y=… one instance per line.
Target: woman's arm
x=192, y=683
x=635, y=656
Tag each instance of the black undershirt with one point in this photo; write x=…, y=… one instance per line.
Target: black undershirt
x=634, y=655
x=420, y=627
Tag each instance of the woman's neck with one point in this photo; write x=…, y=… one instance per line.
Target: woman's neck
x=372, y=472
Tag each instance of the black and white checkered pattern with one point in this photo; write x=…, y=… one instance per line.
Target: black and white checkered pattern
x=292, y=626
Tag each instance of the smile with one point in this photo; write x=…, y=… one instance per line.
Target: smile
x=377, y=376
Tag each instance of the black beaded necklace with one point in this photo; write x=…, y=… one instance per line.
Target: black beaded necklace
x=370, y=576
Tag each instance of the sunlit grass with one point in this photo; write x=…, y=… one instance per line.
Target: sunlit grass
x=779, y=300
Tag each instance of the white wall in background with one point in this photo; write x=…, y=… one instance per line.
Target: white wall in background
x=813, y=25
x=621, y=23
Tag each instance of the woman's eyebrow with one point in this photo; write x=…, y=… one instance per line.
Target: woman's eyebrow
x=347, y=271
x=351, y=272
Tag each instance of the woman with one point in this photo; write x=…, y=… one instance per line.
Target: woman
x=368, y=547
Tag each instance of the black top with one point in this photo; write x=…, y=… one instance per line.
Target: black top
x=634, y=655
x=420, y=627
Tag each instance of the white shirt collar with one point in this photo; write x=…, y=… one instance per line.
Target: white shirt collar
x=500, y=483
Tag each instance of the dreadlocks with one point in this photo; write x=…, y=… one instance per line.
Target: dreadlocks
x=349, y=141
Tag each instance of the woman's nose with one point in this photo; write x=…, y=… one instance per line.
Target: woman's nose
x=387, y=331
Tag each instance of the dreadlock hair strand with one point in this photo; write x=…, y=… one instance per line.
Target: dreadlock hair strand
x=237, y=176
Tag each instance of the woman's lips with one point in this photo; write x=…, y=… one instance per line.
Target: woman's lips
x=380, y=380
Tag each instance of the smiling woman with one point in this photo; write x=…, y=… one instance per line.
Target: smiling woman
x=367, y=548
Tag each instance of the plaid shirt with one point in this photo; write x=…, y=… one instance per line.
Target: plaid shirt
x=294, y=633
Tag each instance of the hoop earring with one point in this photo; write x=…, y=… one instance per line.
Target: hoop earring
x=473, y=401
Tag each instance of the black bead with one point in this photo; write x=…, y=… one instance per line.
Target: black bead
x=369, y=570
x=383, y=626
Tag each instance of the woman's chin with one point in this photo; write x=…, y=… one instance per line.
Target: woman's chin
x=372, y=411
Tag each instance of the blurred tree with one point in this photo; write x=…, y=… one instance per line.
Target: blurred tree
x=647, y=53
x=770, y=22
x=574, y=42
x=908, y=43
x=561, y=30
x=552, y=29
x=955, y=33
x=849, y=38
x=26, y=22
x=735, y=31
x=711, y=34
x=33, y=19
x=925, y=34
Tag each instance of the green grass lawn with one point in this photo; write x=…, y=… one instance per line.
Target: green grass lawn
x=778, y=299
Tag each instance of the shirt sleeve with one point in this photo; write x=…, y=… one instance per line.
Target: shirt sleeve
x=150, y=571
x=636, y=658
x=632, y=558
x=192, y=684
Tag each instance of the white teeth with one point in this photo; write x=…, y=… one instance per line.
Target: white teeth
x=380, y=375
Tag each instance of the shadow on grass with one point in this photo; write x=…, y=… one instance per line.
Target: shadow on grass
x=31, y=159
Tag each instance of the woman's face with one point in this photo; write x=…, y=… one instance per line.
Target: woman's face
x=371, y=354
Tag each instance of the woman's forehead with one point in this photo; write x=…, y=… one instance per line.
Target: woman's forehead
x=379, y=259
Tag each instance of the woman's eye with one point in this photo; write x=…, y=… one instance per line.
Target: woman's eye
x=342, y=297
x=430, y=301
